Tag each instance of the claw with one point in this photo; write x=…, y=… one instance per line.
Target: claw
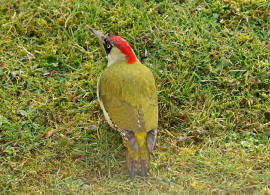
x=132, y=169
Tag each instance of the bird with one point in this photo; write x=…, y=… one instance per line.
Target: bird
x=127, y=94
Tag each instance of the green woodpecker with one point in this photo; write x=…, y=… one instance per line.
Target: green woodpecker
x=127, y=95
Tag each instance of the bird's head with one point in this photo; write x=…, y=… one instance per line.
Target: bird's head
x=117, y=48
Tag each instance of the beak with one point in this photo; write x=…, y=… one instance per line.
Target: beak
x=99, y=35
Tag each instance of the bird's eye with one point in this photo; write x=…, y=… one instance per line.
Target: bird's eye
x=108, y=45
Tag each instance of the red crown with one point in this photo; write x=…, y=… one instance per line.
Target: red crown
x=124, y=47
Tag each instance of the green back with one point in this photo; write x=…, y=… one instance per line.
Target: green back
x=129, y=95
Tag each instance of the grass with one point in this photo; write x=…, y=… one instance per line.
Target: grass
x=211, y=63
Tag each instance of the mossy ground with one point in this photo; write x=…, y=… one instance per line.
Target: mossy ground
x=211, y=61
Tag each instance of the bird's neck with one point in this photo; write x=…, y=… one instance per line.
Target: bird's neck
x=116, y=56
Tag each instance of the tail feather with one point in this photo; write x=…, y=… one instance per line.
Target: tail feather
x=151, y=139
x=139, y=145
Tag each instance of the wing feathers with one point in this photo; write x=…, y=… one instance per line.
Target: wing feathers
x=129, y=96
